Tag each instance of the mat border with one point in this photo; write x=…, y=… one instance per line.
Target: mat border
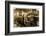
x=7, y=16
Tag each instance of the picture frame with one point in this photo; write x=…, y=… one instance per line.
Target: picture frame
x=8, y=10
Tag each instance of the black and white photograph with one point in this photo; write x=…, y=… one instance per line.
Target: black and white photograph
x=26, y=17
